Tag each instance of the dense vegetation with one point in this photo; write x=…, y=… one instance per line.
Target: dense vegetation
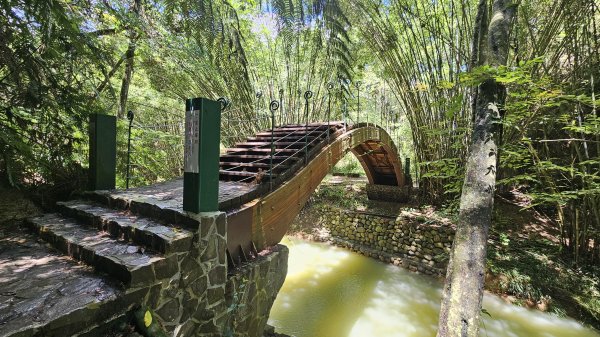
x=410, y=62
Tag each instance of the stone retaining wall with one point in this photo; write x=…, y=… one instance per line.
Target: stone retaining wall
x=202, y=300
x=388, y=193
x=197, y=298
x=251, y=291
x=192, y=301
x=410, y=240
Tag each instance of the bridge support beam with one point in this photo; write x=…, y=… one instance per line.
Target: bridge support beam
x=388, y=193
x=201, y=161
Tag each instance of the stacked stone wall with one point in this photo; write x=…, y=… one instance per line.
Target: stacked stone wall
x=409, y=240
x=184, y=293
x=202, y=300
x=192, y=295
x=189, y=297
x=251, y=291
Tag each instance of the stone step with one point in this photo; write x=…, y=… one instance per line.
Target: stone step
x=129, y=264
x=44, y=293
x=125, y=226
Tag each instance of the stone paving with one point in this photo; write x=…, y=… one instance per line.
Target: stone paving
x=86, y=270
x=129, y=264
x=126, y=262
x=38, y=285
x=169, y=195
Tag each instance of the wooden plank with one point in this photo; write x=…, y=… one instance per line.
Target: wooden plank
x=316, y=124
x=252, y=156
x=241, y=149
x=297, y=132
x=258, y=165
x=280, y=143
x=267, y=138
x=240, y=173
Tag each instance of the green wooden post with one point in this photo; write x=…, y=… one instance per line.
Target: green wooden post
x=202, y=140
x=103, y=152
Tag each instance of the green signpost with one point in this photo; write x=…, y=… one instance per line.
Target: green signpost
x=103, y=152
x=201, y=155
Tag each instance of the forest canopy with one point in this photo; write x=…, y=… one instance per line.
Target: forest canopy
x=409, y=62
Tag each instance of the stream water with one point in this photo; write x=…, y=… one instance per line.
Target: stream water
x=333, y=292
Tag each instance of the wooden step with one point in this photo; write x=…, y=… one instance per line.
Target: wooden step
x=254, y=157
x=251, y=165
x=245, y=176
x=310, y=126
x=243, y=173
x=297, y=129
x=267, y=138
x=278, y=144
x=241, y=149
x=281, y=133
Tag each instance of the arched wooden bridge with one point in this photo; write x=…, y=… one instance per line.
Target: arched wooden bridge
x=298, y=170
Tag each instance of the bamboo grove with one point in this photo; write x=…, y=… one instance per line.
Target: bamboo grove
x=410, y=62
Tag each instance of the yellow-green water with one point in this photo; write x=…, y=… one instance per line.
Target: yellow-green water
x=332, y=292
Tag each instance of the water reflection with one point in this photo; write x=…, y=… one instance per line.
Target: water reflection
x=331, y=292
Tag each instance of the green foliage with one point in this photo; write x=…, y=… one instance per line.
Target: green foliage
x=550, y=131
x=337, y=194
x=485, y=312
x=422, y=59
x=61, y=61
x=518, y=284
x=448, y=170
x=156, y=154
x=48, y=70
x=534, y=272
x=504, y=239
x=348, y=165
x=550, y=153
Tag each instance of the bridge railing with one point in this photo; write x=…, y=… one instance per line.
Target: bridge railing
x=274, y=152
x=295, y=118
x=235, y=127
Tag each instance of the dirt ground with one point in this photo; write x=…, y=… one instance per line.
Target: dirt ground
x=14, y=206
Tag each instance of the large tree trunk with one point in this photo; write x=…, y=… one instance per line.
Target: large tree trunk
x=129, y=61
x=463, y=289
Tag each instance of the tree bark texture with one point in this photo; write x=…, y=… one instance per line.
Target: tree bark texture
x=129, y=61
x=463, y=288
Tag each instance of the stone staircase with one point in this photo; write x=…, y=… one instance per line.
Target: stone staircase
x=131, y=260
x=125, y=246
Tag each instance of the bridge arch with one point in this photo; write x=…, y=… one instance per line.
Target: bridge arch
x=264, y=221
x=378, y=157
